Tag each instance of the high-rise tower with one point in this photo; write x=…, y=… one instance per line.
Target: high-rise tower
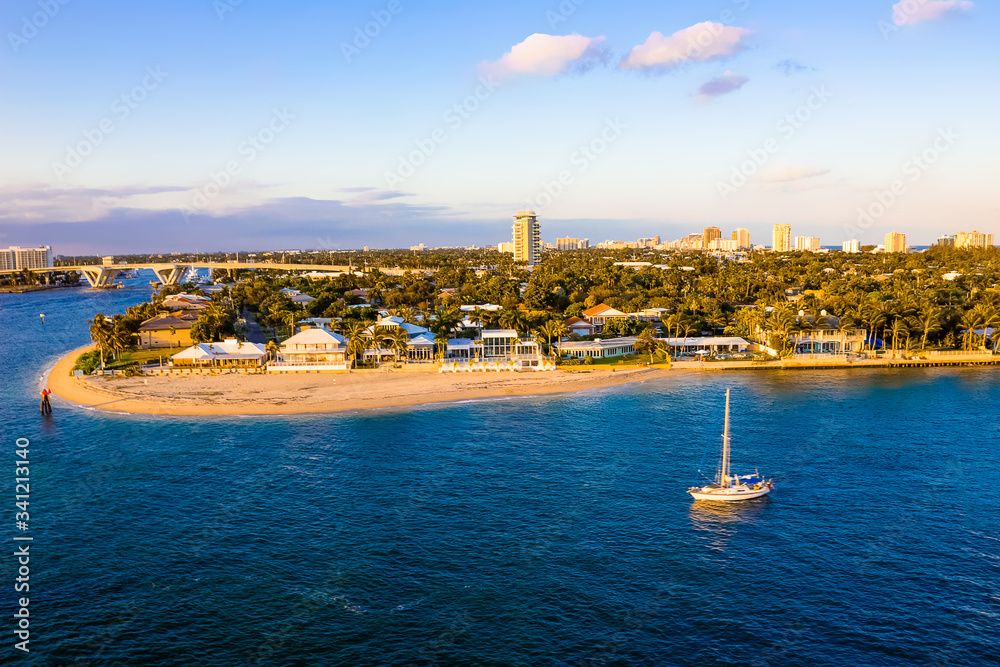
x=527, y=238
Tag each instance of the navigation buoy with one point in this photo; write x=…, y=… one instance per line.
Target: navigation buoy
x=46, y=405
x=42, y=315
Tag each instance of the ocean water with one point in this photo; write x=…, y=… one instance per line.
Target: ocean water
x=525, y=531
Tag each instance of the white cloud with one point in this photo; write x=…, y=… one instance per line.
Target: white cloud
x=549, y=55
x=911, y=12
x=700, y=42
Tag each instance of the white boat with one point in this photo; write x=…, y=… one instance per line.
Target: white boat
x=727, y=487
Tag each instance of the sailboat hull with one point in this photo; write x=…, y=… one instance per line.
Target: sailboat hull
x=731, y=494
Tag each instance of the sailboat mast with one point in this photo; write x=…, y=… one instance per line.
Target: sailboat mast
x=725, y=446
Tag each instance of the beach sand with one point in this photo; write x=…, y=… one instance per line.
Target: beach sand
x=238, y=394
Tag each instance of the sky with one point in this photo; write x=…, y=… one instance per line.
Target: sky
x=202, y=125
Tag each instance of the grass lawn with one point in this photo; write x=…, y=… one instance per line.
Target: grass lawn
x=153, y=356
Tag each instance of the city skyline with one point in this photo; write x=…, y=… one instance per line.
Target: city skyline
x=293, y=127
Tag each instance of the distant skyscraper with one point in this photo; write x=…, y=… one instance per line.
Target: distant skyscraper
x=807, y=243
x=948, y=241
x=527, y=238
x=853, y=245
x=973, y=240
x=782, y=238
x=567, y=243
x=742, y=238
x=710, y=234
x=895, y=242
x=17, y=258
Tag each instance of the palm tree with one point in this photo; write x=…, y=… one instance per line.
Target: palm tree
x=357, y=341
x=971, y=320
x=987, y=314
x=445, y=321
x=100, y=331
x=290, y=319
x=273, y=348
x=400, y=341
x=898, y=331
x=552, y=329
x=928, y=322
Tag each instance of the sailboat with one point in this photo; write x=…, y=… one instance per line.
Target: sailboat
x=727, y=487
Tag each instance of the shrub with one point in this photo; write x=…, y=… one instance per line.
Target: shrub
x=87, y=362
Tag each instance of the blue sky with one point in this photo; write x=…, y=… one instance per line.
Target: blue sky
x=202, y=125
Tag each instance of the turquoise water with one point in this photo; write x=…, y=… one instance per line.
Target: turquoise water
x=534, y=531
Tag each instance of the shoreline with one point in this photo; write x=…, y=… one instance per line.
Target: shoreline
x=317, y=393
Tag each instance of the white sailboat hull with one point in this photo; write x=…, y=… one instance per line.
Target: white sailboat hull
x=730, y=494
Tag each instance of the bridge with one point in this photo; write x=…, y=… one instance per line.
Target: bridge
x=172, y=273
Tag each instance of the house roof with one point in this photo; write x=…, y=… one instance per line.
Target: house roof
x=227, y=349
x=602, y=310
x=422, y=339
x=459, y=343
x=578, y=323
x=499, y=333
x=164, y=321
x=315, y=336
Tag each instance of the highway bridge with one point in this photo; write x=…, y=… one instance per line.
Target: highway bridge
x=173, y=273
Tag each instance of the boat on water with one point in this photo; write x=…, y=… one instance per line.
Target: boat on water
x=730, y=487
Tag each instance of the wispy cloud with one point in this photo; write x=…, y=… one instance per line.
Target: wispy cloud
x=549, y=55
x=911, y=12
x=788, y=67
x=727, y=83
x=698, y=43
x=789, y=174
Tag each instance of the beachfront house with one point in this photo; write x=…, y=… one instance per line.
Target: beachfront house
x=598, y=349
x=600, y=314
x=421, y=347
x=314, y=349
x=166, y=330
x=829, y=341
x=230, y=353
x=709, y=345
x=575, y=325
x=499, y=344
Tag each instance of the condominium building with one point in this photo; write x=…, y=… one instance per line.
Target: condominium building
x=973, y=240
x=948, y=240
x=853, y=245
x=782, y=238
x=895, y=242
x=725, y=245
x=527, y=238
x=505, y=247
x=710, y=234
x=742, y=238
x=807, y=243
x=16, y=258
x=572, y=244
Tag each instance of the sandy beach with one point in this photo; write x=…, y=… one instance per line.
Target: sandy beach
x=238, y=394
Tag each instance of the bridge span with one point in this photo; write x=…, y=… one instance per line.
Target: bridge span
x=172, y=273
